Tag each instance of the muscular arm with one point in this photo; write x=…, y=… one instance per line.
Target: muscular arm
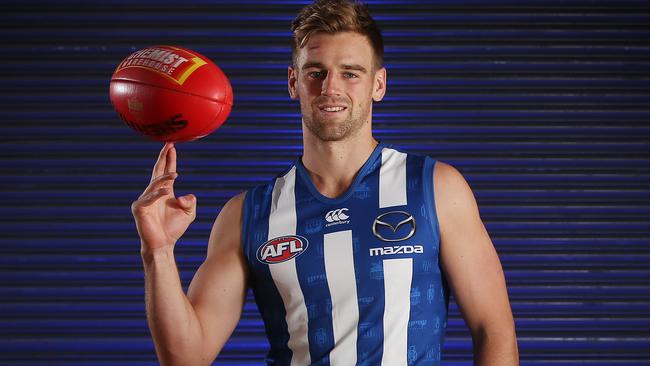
x=473, y=270
x=192, y=329
x=218, y=289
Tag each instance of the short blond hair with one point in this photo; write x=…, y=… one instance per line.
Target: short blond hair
x=334, y=16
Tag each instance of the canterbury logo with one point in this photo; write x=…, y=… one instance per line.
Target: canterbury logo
x=337, y=215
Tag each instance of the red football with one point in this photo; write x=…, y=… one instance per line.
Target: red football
x=170, y=93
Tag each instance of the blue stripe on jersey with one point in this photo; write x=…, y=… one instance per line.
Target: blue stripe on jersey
x=371, y=294
x=312, y=276
x=269, y=302
x=427, y=179
x=425, y=327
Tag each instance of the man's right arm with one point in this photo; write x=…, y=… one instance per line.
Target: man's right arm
x=192, y=329
x=218, y=290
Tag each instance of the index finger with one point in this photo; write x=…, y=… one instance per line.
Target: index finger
x=161, y=163
x=171, y=160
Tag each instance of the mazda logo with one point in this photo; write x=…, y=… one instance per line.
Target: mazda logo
x=386, y=218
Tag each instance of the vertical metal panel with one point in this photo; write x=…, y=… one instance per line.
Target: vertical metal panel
x=542, y=105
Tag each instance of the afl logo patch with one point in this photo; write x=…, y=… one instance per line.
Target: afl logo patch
x=281, y=249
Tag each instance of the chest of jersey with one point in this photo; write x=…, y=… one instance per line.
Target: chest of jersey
x=355, y=278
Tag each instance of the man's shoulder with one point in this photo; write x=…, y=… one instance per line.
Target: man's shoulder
x=267, y=186
x=447, y=176
x=452, y=190
x=411, y=153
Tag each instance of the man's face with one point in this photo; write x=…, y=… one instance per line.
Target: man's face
x=335, y=82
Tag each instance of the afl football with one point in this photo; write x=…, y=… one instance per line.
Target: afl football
x=170, y=93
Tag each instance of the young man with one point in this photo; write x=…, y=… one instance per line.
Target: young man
x=351, y=252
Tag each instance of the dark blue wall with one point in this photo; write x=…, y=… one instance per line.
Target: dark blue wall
x=542, y=105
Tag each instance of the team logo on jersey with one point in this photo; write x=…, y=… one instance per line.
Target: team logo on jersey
x=394, y=226
x=336, y=217
x=282, y=249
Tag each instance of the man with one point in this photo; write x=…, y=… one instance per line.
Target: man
x=350, y=252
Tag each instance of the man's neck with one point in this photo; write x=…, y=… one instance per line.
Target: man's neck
x=333, y=165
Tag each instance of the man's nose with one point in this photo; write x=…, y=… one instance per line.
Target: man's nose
x=331, y=85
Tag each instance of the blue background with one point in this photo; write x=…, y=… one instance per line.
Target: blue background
x=542, y=105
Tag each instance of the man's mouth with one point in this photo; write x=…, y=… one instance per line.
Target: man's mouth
x=332, y=108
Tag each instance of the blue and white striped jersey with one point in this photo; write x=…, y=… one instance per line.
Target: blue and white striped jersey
x=352, y=280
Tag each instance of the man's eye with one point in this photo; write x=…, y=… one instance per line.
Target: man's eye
x=350, y=75
x=315, y=74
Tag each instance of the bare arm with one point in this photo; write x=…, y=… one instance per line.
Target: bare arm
x=474, y=271
x=218, y=289
x=183, y=327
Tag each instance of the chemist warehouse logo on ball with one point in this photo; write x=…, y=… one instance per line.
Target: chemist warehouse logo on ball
x=281, y=249
x=174, y=63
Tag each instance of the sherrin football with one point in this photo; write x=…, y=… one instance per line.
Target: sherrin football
x=170, y=93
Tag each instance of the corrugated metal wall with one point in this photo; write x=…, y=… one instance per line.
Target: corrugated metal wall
x=543, y=105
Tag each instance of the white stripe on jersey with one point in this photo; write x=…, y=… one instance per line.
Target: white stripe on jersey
x=397, y=287
x=282, y=221
x=339, y=268
x=397, y=272
x=392, y=178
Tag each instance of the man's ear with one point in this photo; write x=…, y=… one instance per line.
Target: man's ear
x=379, y=85
x=292, y=78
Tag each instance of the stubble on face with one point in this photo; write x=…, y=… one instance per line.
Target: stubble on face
x=328, y=128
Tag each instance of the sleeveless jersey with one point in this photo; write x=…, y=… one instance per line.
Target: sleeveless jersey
x=352, y=280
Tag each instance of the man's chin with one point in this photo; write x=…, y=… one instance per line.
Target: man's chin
x=326, y=132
